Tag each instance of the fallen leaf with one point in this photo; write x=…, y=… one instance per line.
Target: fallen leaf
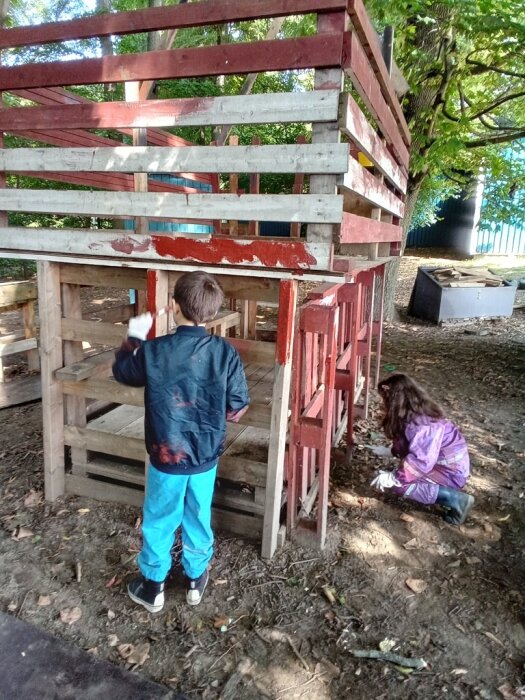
x=111, y=615
x=112, y=640
x=70, y=615
x=459, y=671
x=406, y=518
x=21, y=533
x=63, y=511
x=504, y=520
x=330, y=594
x=135, y=655
x=12, y=607
x=138, y=523
x=93, y=650
x=113, y=581
x=416, y=584
x=220, y=581
x=33, y=498
x=43, y=601
x=125, y=650
x=83, y=511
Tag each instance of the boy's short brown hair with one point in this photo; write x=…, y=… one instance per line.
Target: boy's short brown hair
x=199, y=296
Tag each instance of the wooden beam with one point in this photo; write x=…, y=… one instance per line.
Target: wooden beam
x=279, y=419
x=285, y=158
x=356, y=64
x=87, y=367
x=369, y=40
x=17, y=346
x=17, y=293
x=363, y=183
x=228, y=59
x=281, y=207
x=51, y=360
x=359, y=229
x=193, y=111
x=354, y=124
x=166, y=17
x=258, y=252
x=245, y=287
x=103, y=276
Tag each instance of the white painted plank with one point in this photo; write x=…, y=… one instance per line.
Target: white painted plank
x=362, y=183
x=305, y=208
x=354, y=124
x=286, y=158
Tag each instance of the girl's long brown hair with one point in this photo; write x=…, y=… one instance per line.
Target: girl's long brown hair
x=404, y=400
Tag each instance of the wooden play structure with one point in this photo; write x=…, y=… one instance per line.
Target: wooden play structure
x=344, y=213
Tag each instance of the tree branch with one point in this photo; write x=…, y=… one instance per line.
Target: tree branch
x=489, y=140
x=485, y=68
x=498, y=103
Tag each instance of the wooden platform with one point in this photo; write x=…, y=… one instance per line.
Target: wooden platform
x=114, y=457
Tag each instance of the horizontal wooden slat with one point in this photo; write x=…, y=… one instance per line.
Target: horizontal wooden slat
x=358, y=229
x=361, y=182
x=356, y=64
x=281, y=54
x=315, y=106
x=257, y=252
x=17, y=346
x=102, y=276
x=17, y=292
x=354, y=124
x=245, y=287
x=93, y=332
x=369, y=39
x=285, y=158
x=117, y=445
x=178, y=16
x=314, y=208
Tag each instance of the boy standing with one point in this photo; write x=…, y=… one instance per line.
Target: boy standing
x=193, y=382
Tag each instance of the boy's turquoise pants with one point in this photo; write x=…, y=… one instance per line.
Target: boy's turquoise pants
x=174, y=500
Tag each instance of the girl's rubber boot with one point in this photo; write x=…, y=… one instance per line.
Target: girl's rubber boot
x=458, y=504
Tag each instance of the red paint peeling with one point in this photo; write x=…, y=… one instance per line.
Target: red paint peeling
x=129, y=245
x=285, y=319
x=216, y=251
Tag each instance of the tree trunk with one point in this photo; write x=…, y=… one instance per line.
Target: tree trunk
x=436, y=44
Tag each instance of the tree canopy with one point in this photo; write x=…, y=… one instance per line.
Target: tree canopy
x=465, y=65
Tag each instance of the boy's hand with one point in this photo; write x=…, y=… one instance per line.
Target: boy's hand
x=384, y=480
x=380, y=450
x=139, y=326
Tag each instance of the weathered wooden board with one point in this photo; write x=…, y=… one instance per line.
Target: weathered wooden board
x=103, y=276
x=316, y=106
x=284, y=158
x=357, y=66
x=361, y=182
x=168, y=17
x=258, y=252
x=370, y=41
x=19, y=391
x=358, y=229
x=17, y=346
x=354, y=124
x=228, y=59
x=17, y=292
x=285, y=207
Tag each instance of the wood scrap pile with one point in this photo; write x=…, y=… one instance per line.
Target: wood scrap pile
x=466, y=277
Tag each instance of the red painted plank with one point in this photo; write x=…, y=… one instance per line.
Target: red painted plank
x=358, y=229
x=175, y=17
x=285, y=321
x=356, y=64
x=281, y=54
x=229, y=251
x=369, y=40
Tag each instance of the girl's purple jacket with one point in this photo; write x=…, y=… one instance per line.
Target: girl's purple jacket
x=433, y=453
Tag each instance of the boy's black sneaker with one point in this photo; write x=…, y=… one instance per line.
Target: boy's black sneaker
x=148, y=593
x=196, y=588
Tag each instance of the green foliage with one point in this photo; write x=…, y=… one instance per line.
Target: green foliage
x=465, y=66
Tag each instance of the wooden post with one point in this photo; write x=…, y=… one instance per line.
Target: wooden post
x=50, y=360
x=28, y=316
x=140, y=138
x=279, y=417
x=255, y=181
x=328, y=78
x=233, y=227
x=158, y=295
x=298, y=185
x=75, y=406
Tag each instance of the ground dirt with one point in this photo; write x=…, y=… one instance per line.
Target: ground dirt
x=286, y=629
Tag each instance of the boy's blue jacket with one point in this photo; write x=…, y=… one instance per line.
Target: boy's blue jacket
x=193, y=381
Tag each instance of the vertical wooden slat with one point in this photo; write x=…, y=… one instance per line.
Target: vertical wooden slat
x=51, y=360
x=28, y=317
x=75, y=406
x=140, y=138
x=233, y=226
x=255, y=181
x=279, y=417
x=158, y=295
